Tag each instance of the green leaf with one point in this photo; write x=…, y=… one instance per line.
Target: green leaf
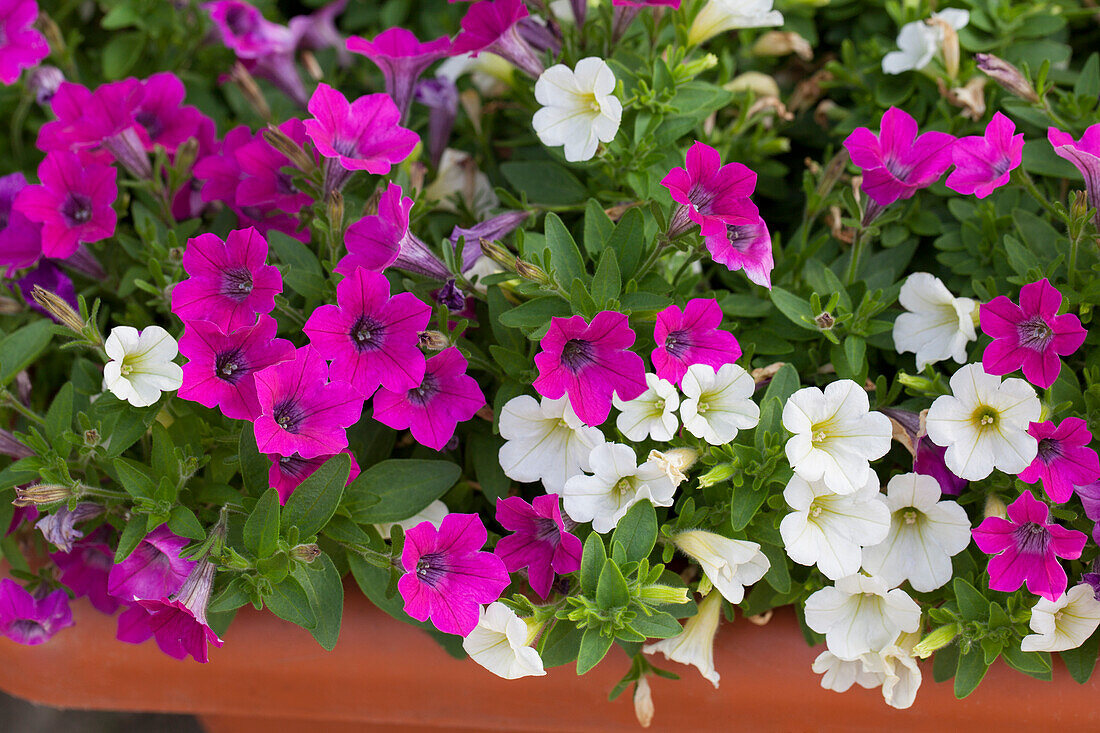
x=592, y=561
x=1033, y=664
x=660, y=625
x=944, y=663
x=315, y=500
x=597, y=228
x=565, y=258
x=628, y=241
x=163, y=457
x=183, y=522
x=303, y=274
x=778, y=575
x=612, y=590
x=234, y=595
x=132, y=535
x=261, y=529
x=396, y=489
x=1081, y=661
x=536, y=312
x=594, y=647
x=134, y=478
x=972, y=604
x=971, y=670
x=59, y=417
x=561, y=645
x=544, y=182
x=121, y=53
x=20, y=348
x=797, y=310
x=1088, y=82
x=290, y=602
x=255, y=467
x=637, y=531
x=606, y=284
x=745, y=504
x=321, y=582
x=482, y=452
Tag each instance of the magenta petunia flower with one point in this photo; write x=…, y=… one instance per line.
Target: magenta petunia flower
x=929, y=461
x=432, y=410
x=318, y=31
x=21, y=45
x=288, y=472
x=446, y=577
x=691, y=336
x=493, y=25
x=20, y=238
x=745, y=247
x=361, y=135
x=33, y=619
x=229, y=281
x=179, y=623
x=370, y=338
x=1085, y=154
x=221, y=172
x=161, y=117
x=108, y=121
x=897, y=162
x=1029, y=336
x=402, y=59
x=1026, y=548
x=589, y=363
x=540, y=541
x=246, y=32
x=710, y=194
x=153, y=570
x=221, y=368
x=1064, y=458
x=675, y=4
x=263, y=182
x=985, y=162
x=85, y=569
x=301, y=411
x=73, y=203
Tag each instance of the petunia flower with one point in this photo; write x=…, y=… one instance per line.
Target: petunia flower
x=1030, y=336
x=262, y=180
x=1064, y=624
x=141, y=365
x=460, y=184
x=719, y=16
x=836, y=436
x=220, y=172
x=1064, y=459
x=650, y=414
x=380, y=240
x=229, y=281
x=402, y=59
x=153, y=570
x=492, y=25
x=1026, y=548
x=59, y=527
x=370, y=337
x=919, y=41
x=179, y=622
x=579, y=107
x=828, y=529
x=589, y=362
x=936, y=325
x=710, y=194
x=983, y=423
x=43, y=82
x=925, y=533
x=501, y=644
x=540, y=540
x=317, y=31
x=245, y=31
x=434, y=513
x=859, y=615
x=729, y=564
x=616, y=484
x=447, y=577
x=288, y=472
x=839, y=674
x=440, y=95
x=31, y=620
x=73, y=203
x=20, y=238
x=431, y=411
x=691, y=336
x=161, y=117
x=301, y=412
x=85, y=569
x=898, y=669
x=898, y=162
x=695, y=644
x=22, y=45
x=221, y=367
x=718, y=403
x=984, y=163
x=1085, y=154
x=544, y=440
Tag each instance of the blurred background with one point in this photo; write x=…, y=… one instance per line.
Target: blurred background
x=18, y=716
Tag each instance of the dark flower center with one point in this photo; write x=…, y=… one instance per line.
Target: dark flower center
x=428, y=388
x=1049, y=450
x=702, y=197
x=739, y=236
x=239, y=21
x=230, y=366
x=576, y=354
x=151, y=123
x=288, y=414
x=347, y=148
x=28, y=629
x=77, y=209
x=1034, y=333
x=284, y=183
x=295, y=466
x=546, y=530
x=366, y=334
x=898, y=169
x=237, y=284
x=678, y=342
x=1032, y=538
x=431, y=568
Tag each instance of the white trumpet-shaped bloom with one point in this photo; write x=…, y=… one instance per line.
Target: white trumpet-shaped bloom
x=859, y=615
x=919, y=41
x=544, y=441
x=499, y=643
x=695, y=644
x=140, y=365
x=718, y=404
x=579, y=107
x=617, y=483
x=650, y=414
x=1063, y=624
x=730, y=565
x=936, y=324
x=839, y=674
x=719, y=16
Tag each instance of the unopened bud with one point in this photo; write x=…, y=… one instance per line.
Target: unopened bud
x=38, y=494
x=186, y=155
x=937, y=639
x=91, y=438
x=658, y=593
x=834, y=169
x=56, y=306
x=1079, y=206
x=531, y=272
x=250, y=89
x=433, y=340
x=825, y=321
x=54, y=37
x=334, y=208
x=9, y=306
x=761, y=85
x=1007, y=75
x=994, y=507
x=312, y=67
x=282, y=142
x=782, y=43
x=718, y=474
x=44, y=83
x=643, y=703
x=498, y=254
x=305, y=553
x=950, y=45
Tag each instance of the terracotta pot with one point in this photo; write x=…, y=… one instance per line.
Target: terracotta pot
x=271, y=676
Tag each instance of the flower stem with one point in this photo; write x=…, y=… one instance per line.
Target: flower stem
x=1031, y=188
x=15, y=404
x=857, y=250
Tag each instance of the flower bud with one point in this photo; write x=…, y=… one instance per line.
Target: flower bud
x=675, y=463
x=38, y=494
x=305, y=553
x=279, y=140
x=186, y=154
x=250, y=89
x=643, y=702
x=56, y=306
x=44, y=82
x=782, y=43
x=91, y=438
x=994, y=507
x=716, y=475
x=1079, y=206
x=950, y=45
x=498, y=254
x=433, y=340
x=759, y=84
x=1007, y=75
x=334, y=209
x=825, y=321
x=9, y=306
x=531, y=272
x=937, y=639
x=658, y=593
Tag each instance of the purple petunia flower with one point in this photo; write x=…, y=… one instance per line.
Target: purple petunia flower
x=710, y=194
x=301, y=411
x=402, y=59
x=221, y=368
x=1026, y=548
x=262, y=179
x=59, y=528
x=540, y=541
x=1029, y=336
x=245, y=31
x=897, y=162
x=20, y=238
x=229, y=281
x=179, y=623
x=1089, y=494
x=221, y=172
x=494, y=228
x=161, y=117
x=32, y=620
x=431, y=411
x=153, y=570
x=929, y=461
x=1064, y=459
x=370, y=338
x=492, y=25
x=691, y=336
x=318, y=31
x=288, y=472
x=21, y=45
x=1085, y=154
x=589, y=363
x=440, y=96
x=446, y=577
x=985, y=162
x=745, y=247
x=73, y=203
x=85, y=569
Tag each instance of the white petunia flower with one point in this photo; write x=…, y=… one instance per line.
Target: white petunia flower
x=499, y=643
x=652, y=413
x=459, y=177
x=1063, y=624
x=828, y=529
x=924, y=535
x=674, y=462
x=719, y=16
x=718, y=404
x=859, y=615
x=937, y=325
x=983, y=424
x=898, y=670
x=919, y=41
x=839, y=674
x=544, y=441
x=730, y=565
x=579, y=107
x=617, y=484
x=140, y=365
x=695, y=644
x=433, y=513
x=835, y=435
